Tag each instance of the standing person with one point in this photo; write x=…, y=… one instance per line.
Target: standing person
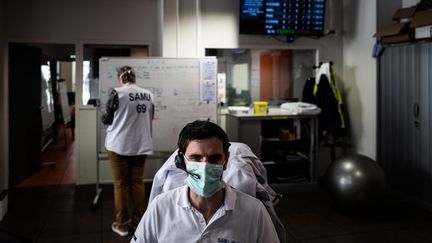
x=205, y=209
x=129, y=115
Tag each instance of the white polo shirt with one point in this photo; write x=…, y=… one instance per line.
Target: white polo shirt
x=171, y=218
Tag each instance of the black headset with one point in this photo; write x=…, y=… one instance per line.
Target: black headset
x=179, y=159
x=180, y=163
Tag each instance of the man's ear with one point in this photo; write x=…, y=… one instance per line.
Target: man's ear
x=226, y=160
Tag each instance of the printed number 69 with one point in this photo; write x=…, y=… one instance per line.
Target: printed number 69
x=141, y=108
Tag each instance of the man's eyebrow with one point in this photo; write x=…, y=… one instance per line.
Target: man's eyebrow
x=216, y=155
x=195, y=156
x=210, y=155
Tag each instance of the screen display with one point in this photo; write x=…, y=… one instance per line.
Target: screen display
x=282, y=17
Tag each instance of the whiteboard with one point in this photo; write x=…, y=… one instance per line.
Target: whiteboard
x=184, y=90
x=64, y=103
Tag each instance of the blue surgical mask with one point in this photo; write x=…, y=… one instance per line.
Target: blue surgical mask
x=209, y=181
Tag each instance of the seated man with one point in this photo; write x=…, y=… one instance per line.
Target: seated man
x=205, y=209
x=244, y=172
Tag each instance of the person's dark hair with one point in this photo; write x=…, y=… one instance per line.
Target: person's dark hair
x=201, y=130
x=127, y=74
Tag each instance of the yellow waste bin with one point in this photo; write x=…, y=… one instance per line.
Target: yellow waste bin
x=260, y=107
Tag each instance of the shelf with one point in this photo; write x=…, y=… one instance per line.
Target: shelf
x=285, y=165
x=280, y=154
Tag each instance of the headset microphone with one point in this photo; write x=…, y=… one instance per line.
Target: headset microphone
x=179, y=162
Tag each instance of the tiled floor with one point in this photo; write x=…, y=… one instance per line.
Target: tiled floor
x=60, y=152
x=311, y=216
x=62, y=214
x=45, y=208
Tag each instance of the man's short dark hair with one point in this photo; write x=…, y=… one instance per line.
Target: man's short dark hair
x=201, y=130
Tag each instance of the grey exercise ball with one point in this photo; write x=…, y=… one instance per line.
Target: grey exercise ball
x=355, y=180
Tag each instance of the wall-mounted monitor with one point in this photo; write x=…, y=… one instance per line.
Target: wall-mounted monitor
x=282, y=17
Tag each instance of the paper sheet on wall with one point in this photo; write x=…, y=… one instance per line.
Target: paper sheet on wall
x=208, y=88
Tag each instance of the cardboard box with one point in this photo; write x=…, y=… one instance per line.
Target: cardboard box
x=395, y=33
x=399, y=32
x=422, y=24
x=404, y=15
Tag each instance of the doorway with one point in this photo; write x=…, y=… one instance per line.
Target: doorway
x=40, y=141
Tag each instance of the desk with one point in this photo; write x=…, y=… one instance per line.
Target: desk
x=276, y=132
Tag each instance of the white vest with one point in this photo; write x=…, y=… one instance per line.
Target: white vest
x=130, y=131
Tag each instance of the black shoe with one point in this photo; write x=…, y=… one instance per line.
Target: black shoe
x=132, y=228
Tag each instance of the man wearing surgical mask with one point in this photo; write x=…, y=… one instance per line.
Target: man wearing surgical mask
x=205, y=209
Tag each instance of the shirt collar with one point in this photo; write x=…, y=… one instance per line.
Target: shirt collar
x=183, y=199
x=229, y=200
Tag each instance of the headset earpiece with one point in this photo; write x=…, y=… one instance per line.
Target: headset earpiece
x=179, y=161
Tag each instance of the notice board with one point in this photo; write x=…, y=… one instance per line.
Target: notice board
x=184, y=90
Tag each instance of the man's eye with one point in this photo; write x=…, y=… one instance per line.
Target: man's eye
x=195, y=158
x=215, y=159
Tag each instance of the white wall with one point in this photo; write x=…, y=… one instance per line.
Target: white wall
x=360, y=74
x=75, y=21
x=385, y=11
x=409, y=3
